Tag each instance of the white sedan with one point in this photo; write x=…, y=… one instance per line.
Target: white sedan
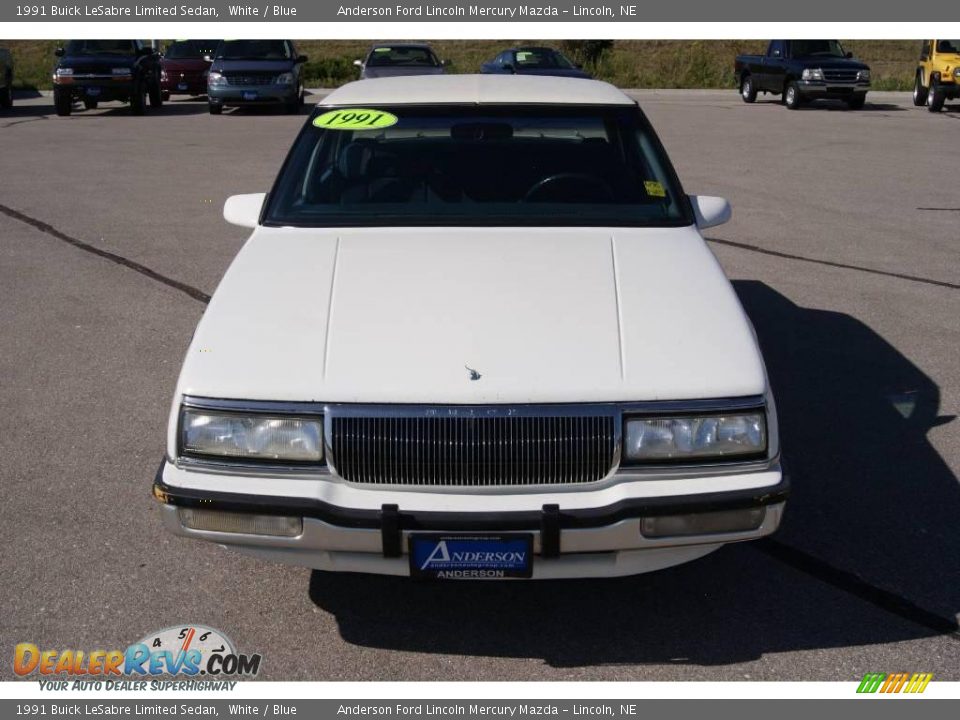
x=475, y=333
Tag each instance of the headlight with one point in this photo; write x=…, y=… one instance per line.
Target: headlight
x=812, y=74
x=122, y=71
x=695, y=438
x=251, y=437
x=285, y=79
x=863, y=75
x=956, y=72
x=215, y=78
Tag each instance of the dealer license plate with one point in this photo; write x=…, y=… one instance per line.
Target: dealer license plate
x=93, y=91
x=181, y=86
x=471, y=557
x=249, y=96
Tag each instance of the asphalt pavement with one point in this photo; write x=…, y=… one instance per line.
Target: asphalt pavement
x=843, y=248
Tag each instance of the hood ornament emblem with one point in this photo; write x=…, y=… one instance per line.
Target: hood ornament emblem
x=474, y=375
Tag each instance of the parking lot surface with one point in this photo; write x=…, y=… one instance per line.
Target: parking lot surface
x=843, y=249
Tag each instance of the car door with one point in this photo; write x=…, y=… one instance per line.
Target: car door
x=774, y=66
x=926, y=52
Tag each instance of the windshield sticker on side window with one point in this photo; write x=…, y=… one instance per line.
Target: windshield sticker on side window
x=654, y=189
x=355, y=119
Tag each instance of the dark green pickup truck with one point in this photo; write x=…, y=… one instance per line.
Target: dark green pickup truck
x=803, y=70
x=6, y=79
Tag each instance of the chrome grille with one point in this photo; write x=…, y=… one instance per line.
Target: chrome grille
x=473, y=451
x=839, y=75
x=250, y=78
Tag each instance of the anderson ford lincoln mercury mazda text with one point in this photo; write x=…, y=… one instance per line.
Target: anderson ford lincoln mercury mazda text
x=475, y=333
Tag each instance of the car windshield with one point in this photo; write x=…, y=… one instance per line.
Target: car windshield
x=191, y=49
x=101, y=47
x=537, y=58
x=402, y=57
x=817, y=48
x=253, y=50
x=948, y=46
x=478, y=165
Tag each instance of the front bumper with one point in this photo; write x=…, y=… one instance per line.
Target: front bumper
x=818, y=89
x=570, y=538
x=242, y=95
x=100, y=88
x=184, y=86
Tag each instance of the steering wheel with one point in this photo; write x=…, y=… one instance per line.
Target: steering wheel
x=550, y=182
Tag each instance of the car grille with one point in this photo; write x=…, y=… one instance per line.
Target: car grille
x=473, y=451
x=837, y=75
x=250, y=78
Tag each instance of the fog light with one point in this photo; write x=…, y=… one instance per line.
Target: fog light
x=707, y=523
x=230, y=522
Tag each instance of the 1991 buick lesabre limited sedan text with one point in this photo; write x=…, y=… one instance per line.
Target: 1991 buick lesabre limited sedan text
x=475, y=333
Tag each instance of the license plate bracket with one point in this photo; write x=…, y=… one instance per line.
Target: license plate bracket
x=441, y=556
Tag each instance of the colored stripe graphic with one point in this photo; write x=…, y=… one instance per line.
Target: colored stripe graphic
x=871, y=682
x=894, y=683
x=918, y=683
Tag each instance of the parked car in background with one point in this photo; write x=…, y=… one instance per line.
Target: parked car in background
x=475, y=333
x=803, y=70
x=533, y=61
x=95, y=71
x=938, y=74
x=184, y=67
x=399, y=59
x=256, y=73
x=6, y=78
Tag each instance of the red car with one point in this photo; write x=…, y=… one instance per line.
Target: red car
x=184, y=67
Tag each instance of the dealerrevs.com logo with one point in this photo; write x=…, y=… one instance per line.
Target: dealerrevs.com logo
x=189, y=651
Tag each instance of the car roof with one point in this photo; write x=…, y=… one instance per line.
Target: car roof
x=400, y=45
x=476, y=90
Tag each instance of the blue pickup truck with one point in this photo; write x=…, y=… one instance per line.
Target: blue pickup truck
x=803, y=70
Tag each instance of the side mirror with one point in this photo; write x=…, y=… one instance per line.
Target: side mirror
x=244, y=210
x=60, y=52
x=849, y=56
x=301, y=59
x=358, y=63
x=710, y=211
x=579, y=66
x=145, y=51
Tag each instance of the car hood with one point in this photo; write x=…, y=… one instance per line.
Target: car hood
x=543, y=315
x=277, y=66
x=94, y=63
x=834, y=63
x=555, y=72
x=380, y=72
x=186, y=65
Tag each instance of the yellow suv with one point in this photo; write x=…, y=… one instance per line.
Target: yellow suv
x=938, y=74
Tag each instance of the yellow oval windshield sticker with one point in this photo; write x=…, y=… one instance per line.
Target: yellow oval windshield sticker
x=654, y=189
x=355, y=119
